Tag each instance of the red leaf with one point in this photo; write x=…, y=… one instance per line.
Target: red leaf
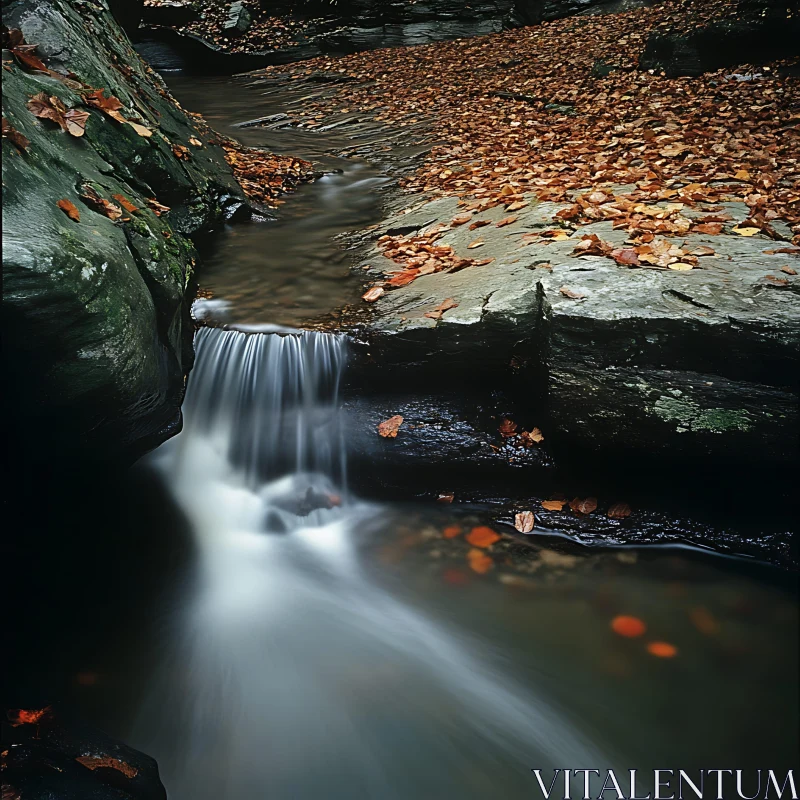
x=70, y=209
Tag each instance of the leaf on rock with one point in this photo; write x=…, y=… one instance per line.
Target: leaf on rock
x=479, y=223
x=29, y=60
x=517, y=205
x=371, y=295
x=97, y=99
x=140, y=129
x=482, y=536
x=680, y=266
x=445, y=305
x=99, y=204
x=108, y=762
x=553, y=505
x=14, y=136
x=585, y=506
x=745, y=231
x=506, y=221
x=157, y=208
x=70, y=209
x=711, y=228
x=476, y=244
x=193, y=140
x=388, y=428
x=788, y=270
x=24, y=716
x=125, y=203
x=704, y=250
x=524, y=521
x=567, y=292
x=479, y=561
x=76, y=121
x=619, y=511
x=461, y=219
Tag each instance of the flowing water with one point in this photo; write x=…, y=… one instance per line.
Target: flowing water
x=262, y=633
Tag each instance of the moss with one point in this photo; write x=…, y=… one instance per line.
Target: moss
x=690, y=416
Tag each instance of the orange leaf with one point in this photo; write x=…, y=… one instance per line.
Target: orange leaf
x=506, y=221
x=70, y=209
x=125, y=203
x=451, y=531
x=619, y=511
x=22, y=716
x=553, y=505
x=662, y=649
x=507, y=428
x=479, y=561
x=388, y=428
x=371, y=295
x=629, y=627
x=566, y=292
x=445, y=305
x=482, y=536
x=461, y=219
x=107, y=762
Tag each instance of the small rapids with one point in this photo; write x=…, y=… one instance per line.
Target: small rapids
x=288, y=672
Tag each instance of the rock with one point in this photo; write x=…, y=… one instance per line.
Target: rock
x=59, y=756
x=238, y=20
x=174, y=13
x=697, y=365
x=128, y=13
x=763, y=31
x=532, y=12
x=96, y=327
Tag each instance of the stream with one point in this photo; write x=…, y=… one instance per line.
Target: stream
x=267, y=634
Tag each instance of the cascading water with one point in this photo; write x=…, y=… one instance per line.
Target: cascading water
x=289, y=673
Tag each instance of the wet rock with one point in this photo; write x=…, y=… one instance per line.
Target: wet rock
x=97, y=333
x=58, y=756
x=238, y=20
x=762, y=31
x=531, y=12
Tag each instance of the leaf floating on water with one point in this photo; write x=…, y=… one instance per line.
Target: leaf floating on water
x=108, y=762
x=524, y=521
x=445, y=498
x=619, y=511
x=585, y=506
x=629, y=627
x=388, y=428
x=567, y=292
x=482, y=536
x=451, y=531
x=70, y=209
x=662, y=649
x=553, y=505
x=24, y=716
x=371, y=295
x=507, y=428
x=479, y=561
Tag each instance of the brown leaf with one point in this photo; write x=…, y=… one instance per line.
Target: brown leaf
x=619, y=511
x=125, y=203
x=516, y=206
x=388, y=428
x=445, y=498
x=14, y=136
x=108, y=762
x=70, y=209
x=76, y=121
x=704, y=250
x=461, y=219
x=44, y=107
x=553, y=505
x=585, y=506
x=570, y=294
x=712, y=228
x=479, y=223
x=451, y=531
x=776, y=281
x=479, y=561
x=506, y=221
x=29, y=60
x=476, y=244
x=193, y=140
x=482, y=536
x=524, y=521
x=789, y=251
x=788, y=270
x=181, y=152
x=445, y=305
x=627, y=256
x=507, y=428
x=99, y=204
x=97, y=99
x=373, y=294
x=157, y=208
x=529, y=438
x=140, y=129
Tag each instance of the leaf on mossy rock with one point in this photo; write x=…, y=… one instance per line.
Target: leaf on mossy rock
x=125, y=203
x=157, y=208
x=70, y=209
x=99, y=204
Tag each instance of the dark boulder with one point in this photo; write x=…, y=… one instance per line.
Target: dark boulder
x=97, y=336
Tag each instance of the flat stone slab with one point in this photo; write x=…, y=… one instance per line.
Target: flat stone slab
x=709, y=353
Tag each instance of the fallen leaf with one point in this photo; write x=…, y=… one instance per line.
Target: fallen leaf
x=157, y=208
x=585, y=506
x=774, y=279
x=745, y=231
x=507, y=428
x=14, y=136
x=479, y=561
x=23, y=716
x=107, y=762
x=388, y=428
x=506, y=221
x=553, y=505
x=482, y=536
x=140, y=129
x=524, y=521
x=445, y=498
x=680, y=266
x=181, y=152
x=742, y=175
x=70, y=209
x=788, y=270
x=662, y=649
x=125, y=203
x=791, y=251
x=517, y=205
x=461, y=219
x=566, y=292
x=627, y=256
x=619, y=511
x=529, y=438
x=704, y=250
x=479, y=223
x=476, y=244
x=451, y=531
x=194, y=141
x=629, y=627
x=98, y=100
x=99, y=204
x=371, y=295
x=711, y=228
x=445, y=305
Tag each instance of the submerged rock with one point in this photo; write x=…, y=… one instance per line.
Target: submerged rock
x=96, y=327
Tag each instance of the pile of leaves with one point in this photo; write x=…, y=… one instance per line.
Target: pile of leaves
x=524, y=111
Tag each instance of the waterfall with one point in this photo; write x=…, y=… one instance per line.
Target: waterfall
x=267, y=407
